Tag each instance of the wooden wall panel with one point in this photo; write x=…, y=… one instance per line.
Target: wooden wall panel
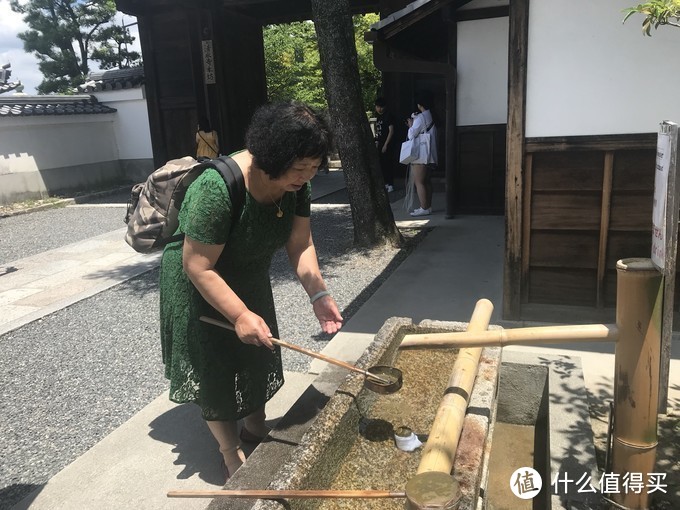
x=631, y=212
x=573, y=249
x=634, y=170
x=565, y=211
x=576, y=287
x=625, y=245
x=571, y=262
x=568, y=170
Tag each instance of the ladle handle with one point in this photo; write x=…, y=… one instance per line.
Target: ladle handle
x=285, y=493
x=297, y=348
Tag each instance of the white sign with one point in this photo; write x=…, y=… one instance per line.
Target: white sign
x=663, y=163
x=208, y=63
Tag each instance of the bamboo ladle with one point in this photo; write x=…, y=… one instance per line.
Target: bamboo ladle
x=285, y=493
x=313, y=354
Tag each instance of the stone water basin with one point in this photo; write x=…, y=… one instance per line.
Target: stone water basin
x=350, y=445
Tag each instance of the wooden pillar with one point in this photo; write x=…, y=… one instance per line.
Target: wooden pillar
x=517, y=77
x=451, y=156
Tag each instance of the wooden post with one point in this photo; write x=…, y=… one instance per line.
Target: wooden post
x=517, y=84
x=605, y=213
x=672, y=204
x=639, y=294
x=442, y=442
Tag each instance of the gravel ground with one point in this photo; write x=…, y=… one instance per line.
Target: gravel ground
x=36, y=232
x=72, y=377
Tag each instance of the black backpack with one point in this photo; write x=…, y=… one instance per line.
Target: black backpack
x=153, y=209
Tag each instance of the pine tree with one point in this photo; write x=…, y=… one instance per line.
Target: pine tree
x=66, y=34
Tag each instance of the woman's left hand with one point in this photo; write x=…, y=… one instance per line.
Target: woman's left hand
x=326, y=310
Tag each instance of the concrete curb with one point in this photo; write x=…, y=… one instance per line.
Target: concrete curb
x=65, y=202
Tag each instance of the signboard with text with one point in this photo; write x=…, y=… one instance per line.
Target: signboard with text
x=659, y=234
x=208, y=63
x=665, y=241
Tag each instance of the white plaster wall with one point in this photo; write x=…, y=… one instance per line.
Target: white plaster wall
x=131, y=124
x=589, y=74
x=28, y=144
x=482, y=72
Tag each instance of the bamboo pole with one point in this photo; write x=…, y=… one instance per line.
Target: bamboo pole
x=526, y=336
x=639, y=296
x=442, y=442
x=286, y=493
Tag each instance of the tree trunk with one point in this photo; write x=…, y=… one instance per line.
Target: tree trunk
x=371, y=212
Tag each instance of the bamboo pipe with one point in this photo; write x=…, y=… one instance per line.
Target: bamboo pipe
x=442, y=442
x=286, y=493
x=527, y=336
x=639, y=297
x=297, y=348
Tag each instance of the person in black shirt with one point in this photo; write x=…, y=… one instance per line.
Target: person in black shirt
x=384, y=132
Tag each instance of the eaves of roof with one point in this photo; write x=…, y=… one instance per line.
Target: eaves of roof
x=115, y=79
x=29, y=106
x=6, y=87
x=412, y=13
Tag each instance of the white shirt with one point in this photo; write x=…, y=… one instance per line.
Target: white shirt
x=420, y=125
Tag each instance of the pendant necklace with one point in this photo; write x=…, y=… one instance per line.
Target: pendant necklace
x=279, y=212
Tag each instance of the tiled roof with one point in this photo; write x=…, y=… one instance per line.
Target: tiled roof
x=29, y=106
x=115, y=79
x=6, y=87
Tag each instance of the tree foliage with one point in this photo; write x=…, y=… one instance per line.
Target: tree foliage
x=657, y=13
x=293, y=67
x=66, y=35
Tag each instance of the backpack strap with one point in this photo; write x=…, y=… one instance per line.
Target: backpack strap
x=236, y=185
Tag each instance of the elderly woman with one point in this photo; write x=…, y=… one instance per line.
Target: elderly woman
x=222, y=270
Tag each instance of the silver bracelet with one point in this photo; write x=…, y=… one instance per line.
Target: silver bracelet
x=319, y=295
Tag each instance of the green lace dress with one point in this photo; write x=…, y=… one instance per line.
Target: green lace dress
x=207, y=364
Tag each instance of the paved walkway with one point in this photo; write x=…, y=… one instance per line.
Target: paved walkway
x=35, y=286
x=157, y=450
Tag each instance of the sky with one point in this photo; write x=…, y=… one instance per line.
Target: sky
x=25, y=65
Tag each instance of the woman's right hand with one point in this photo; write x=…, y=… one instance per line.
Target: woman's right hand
x=252, y=329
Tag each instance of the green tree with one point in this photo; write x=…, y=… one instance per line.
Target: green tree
x=293, y=67
x=112, y=51
x=292, y=64
x=657, y=13
x=66, y=34
x=370, y=76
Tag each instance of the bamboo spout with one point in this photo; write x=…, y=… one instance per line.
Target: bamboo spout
x=442, y=443
x=519, y=336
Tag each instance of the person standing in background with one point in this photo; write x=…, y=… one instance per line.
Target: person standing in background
x=422, y=172
x=207, y=144
x=384, y=131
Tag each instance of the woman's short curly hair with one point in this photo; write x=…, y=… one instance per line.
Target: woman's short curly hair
x=282, y=132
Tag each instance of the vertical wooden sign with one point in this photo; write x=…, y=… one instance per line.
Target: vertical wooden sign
x=665, y=241
x=208, y=62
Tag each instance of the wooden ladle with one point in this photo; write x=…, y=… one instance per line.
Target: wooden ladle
x=383, y=381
